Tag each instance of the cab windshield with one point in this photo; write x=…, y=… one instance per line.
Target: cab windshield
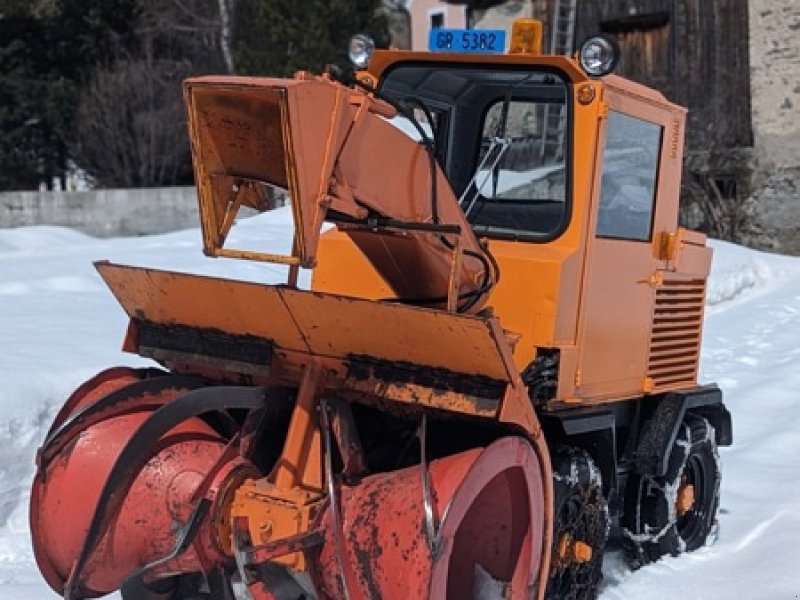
x=502, y=138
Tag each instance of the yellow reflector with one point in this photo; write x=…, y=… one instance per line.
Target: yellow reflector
x=526, y=37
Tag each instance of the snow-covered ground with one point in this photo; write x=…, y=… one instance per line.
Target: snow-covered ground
x=59, y=325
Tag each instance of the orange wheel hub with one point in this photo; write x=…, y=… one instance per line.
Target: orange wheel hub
x=685, y=499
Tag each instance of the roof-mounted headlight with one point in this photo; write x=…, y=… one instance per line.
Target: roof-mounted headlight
x=360, y=50
x=599, y=55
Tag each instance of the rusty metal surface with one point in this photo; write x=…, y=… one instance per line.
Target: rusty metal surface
x=279, y=520
x=148, y=394
x=67, y=492
x=209, y=342
x=256, y=555
x=319, y=324
x=300, y=463
x=332, y=149
x=235, y=308
x=491, y=507
x=348, y=441
x=282, y=512
x=266, y=579
x=104, y=383
x=178, y=343
x=434, y=388
x=122, y=500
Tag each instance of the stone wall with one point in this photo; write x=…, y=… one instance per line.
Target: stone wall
x=775, y=80
x=775, y=77
x=104, y=213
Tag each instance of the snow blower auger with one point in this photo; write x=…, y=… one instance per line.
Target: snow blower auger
x=412, y=426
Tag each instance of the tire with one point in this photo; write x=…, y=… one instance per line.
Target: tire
x=659, y=517
x=581, y=514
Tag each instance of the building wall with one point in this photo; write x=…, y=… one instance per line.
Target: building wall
x=455, y=16
x=502, y=16
x=775, y=76
x=399, y=22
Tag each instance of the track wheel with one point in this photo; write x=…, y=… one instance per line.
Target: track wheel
x=675, y=513
x=581, y=526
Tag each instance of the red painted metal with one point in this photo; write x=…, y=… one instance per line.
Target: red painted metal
x=161, y=498
x=490, y=507
x=103, y=383
x=496, y=518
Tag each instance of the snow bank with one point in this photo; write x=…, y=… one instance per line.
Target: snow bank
x=738, y=272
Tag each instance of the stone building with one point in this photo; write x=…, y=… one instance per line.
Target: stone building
x=734, y=63
x=775, y=84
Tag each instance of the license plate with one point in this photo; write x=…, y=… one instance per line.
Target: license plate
x=481, y=41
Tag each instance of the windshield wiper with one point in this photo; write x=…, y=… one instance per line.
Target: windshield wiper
x=497, y=148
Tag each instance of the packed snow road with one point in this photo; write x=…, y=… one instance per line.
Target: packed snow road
x=59, y=325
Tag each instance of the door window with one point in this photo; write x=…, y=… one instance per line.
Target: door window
x=630, y=171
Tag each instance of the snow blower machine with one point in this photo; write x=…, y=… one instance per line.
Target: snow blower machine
x=494, y=369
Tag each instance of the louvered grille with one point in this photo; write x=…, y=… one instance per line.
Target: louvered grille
x=675, y=338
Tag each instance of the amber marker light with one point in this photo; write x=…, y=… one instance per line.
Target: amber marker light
x=526, y=37
x=586, y=94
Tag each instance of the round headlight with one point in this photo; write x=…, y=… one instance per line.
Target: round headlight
x=599, y=55
x=360, y=50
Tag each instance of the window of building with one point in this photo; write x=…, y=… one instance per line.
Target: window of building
x=437, y=20
x=630, y=170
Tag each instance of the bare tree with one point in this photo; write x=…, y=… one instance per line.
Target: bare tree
x=131, y=128
x=716, y=197
x=195, y=30
x=225, y=32
x=131, y=125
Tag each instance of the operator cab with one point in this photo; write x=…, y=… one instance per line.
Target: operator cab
x=583, y=167
x=501, y=136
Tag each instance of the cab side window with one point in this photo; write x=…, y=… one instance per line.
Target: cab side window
x=630, y=170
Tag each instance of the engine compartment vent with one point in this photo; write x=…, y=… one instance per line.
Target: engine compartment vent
x=676, y=332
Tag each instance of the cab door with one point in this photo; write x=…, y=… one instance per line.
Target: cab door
x=635, y=201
